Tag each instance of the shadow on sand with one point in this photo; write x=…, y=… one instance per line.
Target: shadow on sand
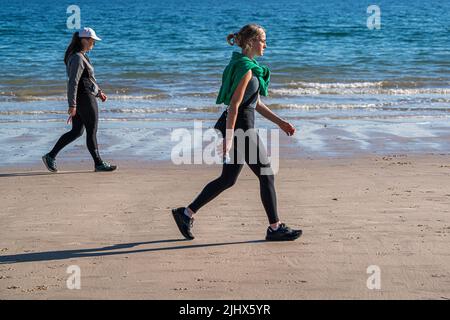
x=108, y=251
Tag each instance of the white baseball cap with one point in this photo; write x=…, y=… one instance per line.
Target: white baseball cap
x=88, y=33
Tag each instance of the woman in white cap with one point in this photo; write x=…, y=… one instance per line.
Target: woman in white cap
x=82, y=91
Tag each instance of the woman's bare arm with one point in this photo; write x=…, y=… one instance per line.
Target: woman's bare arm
x=267, y=113
x=271, y=116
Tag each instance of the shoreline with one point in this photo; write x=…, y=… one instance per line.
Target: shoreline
x=75, y=161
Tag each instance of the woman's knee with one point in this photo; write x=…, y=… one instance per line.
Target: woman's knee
x=227, y=182
x=76, y=132
x=80, y=132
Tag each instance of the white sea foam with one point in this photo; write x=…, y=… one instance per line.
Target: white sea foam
x=11, y=96
x=354, y=88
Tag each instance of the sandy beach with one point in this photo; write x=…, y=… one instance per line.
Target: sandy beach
x=388, y=211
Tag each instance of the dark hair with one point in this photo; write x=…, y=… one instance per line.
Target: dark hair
x=74, y=46
x=245, y=35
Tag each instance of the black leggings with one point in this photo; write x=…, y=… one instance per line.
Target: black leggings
x=230, y=172
x=85, y=117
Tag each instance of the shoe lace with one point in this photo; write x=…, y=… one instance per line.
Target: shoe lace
x=191, y=222
x=284, y=227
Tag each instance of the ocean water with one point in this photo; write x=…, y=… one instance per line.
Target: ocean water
x=347, y=88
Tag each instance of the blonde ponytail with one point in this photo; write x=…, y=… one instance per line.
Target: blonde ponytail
x=244, y=37
x=231, y=39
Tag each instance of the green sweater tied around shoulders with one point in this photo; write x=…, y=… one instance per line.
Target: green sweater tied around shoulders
x=235, y=70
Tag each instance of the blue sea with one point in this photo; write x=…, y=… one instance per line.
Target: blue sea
x=346, y=87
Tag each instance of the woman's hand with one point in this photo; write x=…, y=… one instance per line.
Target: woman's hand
x=287, y=127
x=223, y=148
x=72, y=112
x=102, y=96
x=226, y=147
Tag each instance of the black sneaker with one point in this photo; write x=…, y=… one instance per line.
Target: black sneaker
x=105, y=166
x=283, y=233
x=50, y=163
x=184, y=223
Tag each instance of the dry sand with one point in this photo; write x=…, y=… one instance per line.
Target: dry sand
x=392, y=212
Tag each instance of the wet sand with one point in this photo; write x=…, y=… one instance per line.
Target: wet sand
x=387, y=211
